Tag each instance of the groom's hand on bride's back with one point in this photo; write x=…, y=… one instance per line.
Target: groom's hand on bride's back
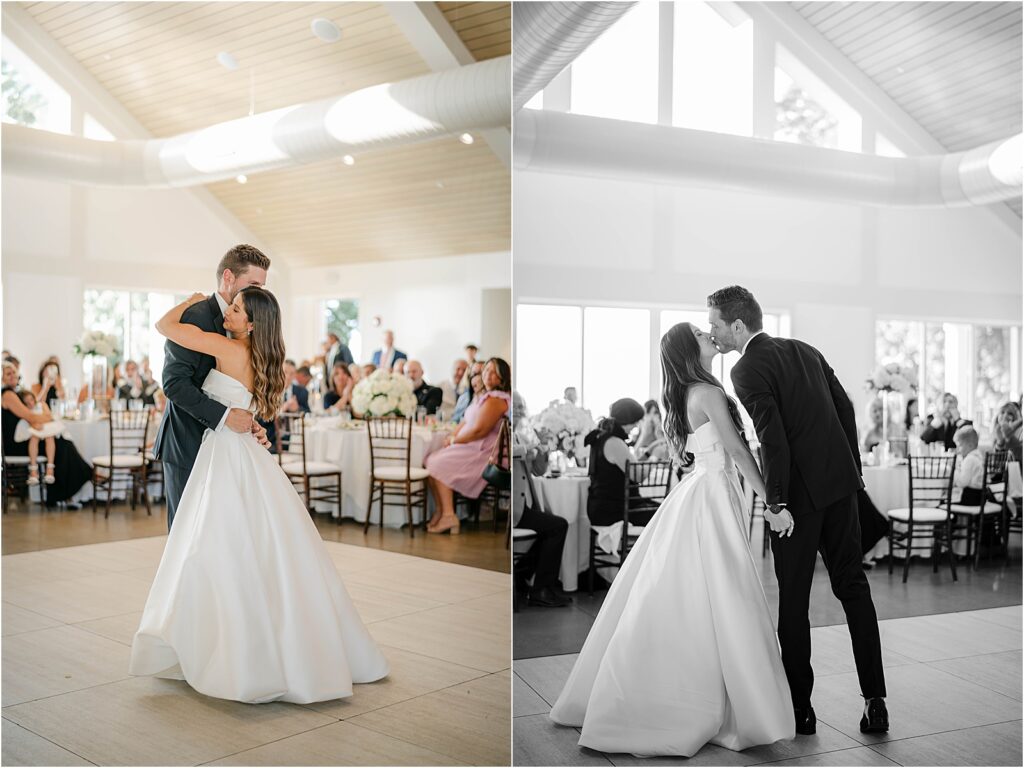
x=260, y=433
x=239, y=420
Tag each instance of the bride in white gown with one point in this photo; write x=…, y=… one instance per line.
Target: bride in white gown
x=246, y=603
x=683, y=652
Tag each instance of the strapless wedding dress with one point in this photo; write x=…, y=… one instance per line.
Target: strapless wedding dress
x=246, y=603
x=683, y=651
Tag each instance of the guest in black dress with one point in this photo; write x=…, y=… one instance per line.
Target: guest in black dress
x=339, y=397
x=51, y=385
x=71, y=471
x=608, y=456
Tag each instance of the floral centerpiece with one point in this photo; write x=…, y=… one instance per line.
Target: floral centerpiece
x=94, y=348
x=562, y=426
x=886, y=380
x=383, y=393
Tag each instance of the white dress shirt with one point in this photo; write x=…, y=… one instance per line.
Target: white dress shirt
x=223, y=310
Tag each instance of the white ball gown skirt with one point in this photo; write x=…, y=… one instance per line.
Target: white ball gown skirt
x=683, y=652
x=247, y=604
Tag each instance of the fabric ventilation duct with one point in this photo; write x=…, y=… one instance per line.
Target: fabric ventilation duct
x=549, y=37
x=592, y=146
x=469, y=98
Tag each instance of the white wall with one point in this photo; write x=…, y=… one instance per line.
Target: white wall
x=434, y=306
x=834, y=268
x=59, y=239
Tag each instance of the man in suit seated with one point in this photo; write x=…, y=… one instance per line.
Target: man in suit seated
x=451, y=389
x=426, y=396
x=386, y=356
x=135, y=387
x=944, y=424
x=295, y=398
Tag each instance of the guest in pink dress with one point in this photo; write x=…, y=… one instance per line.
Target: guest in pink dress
x=460, y=464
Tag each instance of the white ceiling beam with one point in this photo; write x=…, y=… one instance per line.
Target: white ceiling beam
x=429, y=32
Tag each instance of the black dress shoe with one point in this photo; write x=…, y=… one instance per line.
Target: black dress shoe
x=806, y=722
x=562, y=594
x=545, y=598
x=876, y=717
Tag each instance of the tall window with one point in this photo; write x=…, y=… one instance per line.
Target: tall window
x=341, y=316
x=713, y=81
x=30, y=96
x=130, y=316
x=604, y=352
x=617, y=76
x=980, y=364
x=807, y=111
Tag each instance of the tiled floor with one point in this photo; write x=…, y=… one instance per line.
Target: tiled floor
x=954, y=684
x=69, y=615
x=549, y=632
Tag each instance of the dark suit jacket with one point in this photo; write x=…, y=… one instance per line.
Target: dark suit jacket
x=344, y=354
x=301, y=395
x=399, y=355
x=429, y=397
x=804, y=421
x=190, y=412
x=944, y=434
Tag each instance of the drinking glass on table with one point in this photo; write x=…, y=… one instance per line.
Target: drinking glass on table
x=421, y=414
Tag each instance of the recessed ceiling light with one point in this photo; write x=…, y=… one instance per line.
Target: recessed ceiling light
x=348, y=160
x=439, y=185
x=325, y=30
x=241, y=178
x=466, y=138
x=227, y=61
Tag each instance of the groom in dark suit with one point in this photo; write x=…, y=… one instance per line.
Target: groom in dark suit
x=190, y=411
x=812, y=472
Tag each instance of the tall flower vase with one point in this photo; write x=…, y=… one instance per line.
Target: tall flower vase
x=95, y=379
x=884, y=445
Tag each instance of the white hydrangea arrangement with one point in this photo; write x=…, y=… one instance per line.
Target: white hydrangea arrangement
x=561, y=426
x=96, y=343
x=894, y=377
x=384, y=393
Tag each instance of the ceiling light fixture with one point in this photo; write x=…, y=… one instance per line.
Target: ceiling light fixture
x=325, y=30
x=227, y=61
x=241, y=178
x=348, y=160
x=466, y=138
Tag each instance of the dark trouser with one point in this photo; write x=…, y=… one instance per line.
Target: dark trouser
x=835, y=532
x=175, y=478
x=545, y=556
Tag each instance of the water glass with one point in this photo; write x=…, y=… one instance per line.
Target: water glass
x=135, y=405
x=421, y=414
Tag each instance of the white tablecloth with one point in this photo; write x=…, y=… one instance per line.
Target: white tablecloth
x=566, y=497
x=349, y=449
x=92, y=439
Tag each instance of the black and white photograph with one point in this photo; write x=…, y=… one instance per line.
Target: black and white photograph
x=767, y=392
x=257, y=383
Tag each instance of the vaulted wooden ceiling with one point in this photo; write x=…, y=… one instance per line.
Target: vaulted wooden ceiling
x=159, y=60
x=953, y=67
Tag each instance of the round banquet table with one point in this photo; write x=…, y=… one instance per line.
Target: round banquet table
x=348, y=447
x=566, y=496
x=92, y=438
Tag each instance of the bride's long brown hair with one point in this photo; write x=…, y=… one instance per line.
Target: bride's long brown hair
x=266, y=350
x=680, y=369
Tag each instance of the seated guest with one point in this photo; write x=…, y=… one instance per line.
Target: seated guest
x=386, y=356
x=944, y=424
x=652, y=442
x=452, y=388
x=1007, y=430
x=543, y=560
x=460, y=464
x=134, y=387
x=335, y=350
x=969, y=476
x=911, y=417
x=295, y=396
x=399, y=366
x=873, y=433
x=303, y=376
x=34, y=435
x=570, y=395
x=70, y=472
x=607, y=466
x=426, y=396
x=368, y=370
x=339, y=397
x=475, y=388
x=50, y=386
